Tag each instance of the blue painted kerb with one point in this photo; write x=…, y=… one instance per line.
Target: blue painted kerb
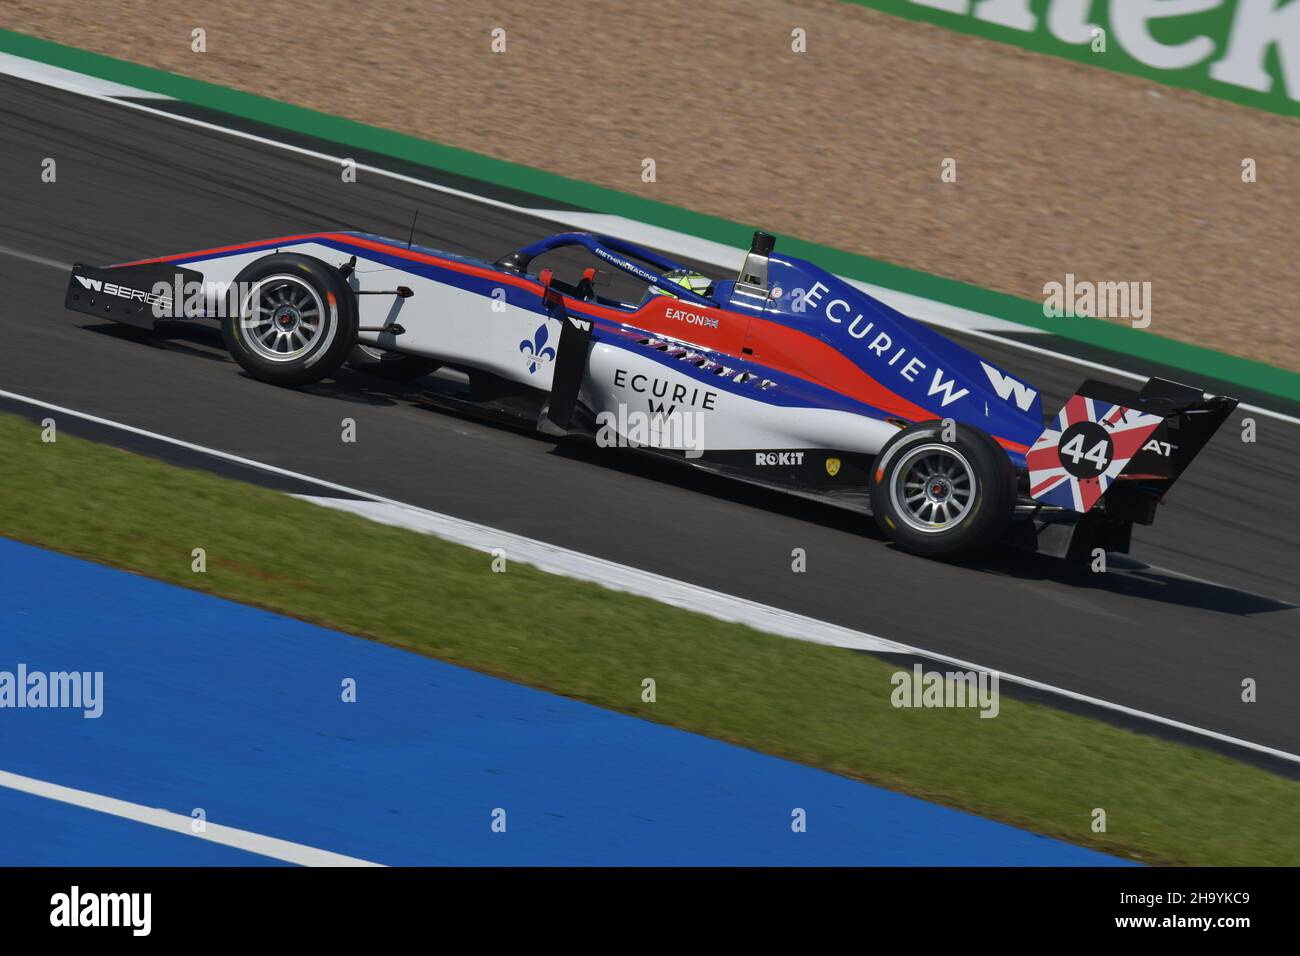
x=210, y=704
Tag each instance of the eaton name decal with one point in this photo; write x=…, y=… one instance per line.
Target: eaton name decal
x=692, y=318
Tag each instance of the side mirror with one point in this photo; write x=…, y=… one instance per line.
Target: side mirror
x=591, y=278
x=550, y=295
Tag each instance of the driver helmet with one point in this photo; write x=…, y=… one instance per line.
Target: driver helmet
x=695, y=281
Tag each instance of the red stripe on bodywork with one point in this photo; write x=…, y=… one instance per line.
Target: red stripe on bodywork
x=219, y=250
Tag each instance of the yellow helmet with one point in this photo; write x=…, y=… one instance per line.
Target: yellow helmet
x=695, y=281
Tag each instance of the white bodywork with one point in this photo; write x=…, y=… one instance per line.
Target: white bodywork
x=618, y=379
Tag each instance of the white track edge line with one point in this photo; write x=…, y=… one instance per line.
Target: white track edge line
x=73, y=81
x=775, y=620
x=272, y=847
x=535, y=213
x=39, y=260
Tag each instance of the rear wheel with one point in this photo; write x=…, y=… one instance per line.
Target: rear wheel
x=293, y=320
x=943, y=498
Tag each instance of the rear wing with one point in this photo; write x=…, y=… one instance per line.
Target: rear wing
x=1125, y=445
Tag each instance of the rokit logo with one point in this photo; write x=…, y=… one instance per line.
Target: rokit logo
x=125, y=292
x=766, y=458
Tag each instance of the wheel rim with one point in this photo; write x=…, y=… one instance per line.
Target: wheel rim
x=282, y=318
x=933, y=488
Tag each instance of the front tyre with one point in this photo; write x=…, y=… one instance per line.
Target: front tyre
x=293, y=320
x=939, y=498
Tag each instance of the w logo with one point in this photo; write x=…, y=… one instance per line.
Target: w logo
x=1006, y=387
x=537, y=351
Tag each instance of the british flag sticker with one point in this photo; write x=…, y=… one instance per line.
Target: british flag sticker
x=1074, y=463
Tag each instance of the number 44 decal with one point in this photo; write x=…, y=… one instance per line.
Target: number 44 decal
x=1096, y=454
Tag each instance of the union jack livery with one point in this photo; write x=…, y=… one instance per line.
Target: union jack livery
x=783, y=375
x=1073, y=464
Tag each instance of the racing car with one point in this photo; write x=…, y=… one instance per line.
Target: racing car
x=785, y=376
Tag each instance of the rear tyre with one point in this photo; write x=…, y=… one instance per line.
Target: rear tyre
x=293, y=321
x=940, y=498
x=393, y=366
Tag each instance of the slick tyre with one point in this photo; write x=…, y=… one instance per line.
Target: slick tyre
x=392, y=366
x=939, y=498
x=293, y=320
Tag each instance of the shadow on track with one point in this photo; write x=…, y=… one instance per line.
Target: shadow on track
x=192, y=340
x=1126, y=576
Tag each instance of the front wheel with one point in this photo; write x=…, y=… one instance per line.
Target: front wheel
x=943, y=498
x=293, y=321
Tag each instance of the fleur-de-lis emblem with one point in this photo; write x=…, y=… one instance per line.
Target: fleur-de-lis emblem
x=537, y=351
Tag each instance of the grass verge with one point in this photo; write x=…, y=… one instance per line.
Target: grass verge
x=1032, y=766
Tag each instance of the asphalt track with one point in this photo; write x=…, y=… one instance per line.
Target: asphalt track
x=1210, y=601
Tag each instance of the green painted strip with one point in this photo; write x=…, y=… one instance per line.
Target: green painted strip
x=1139, y=344
x=1227, y=26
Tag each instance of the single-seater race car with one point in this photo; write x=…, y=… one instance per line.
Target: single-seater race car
x=785, y=376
